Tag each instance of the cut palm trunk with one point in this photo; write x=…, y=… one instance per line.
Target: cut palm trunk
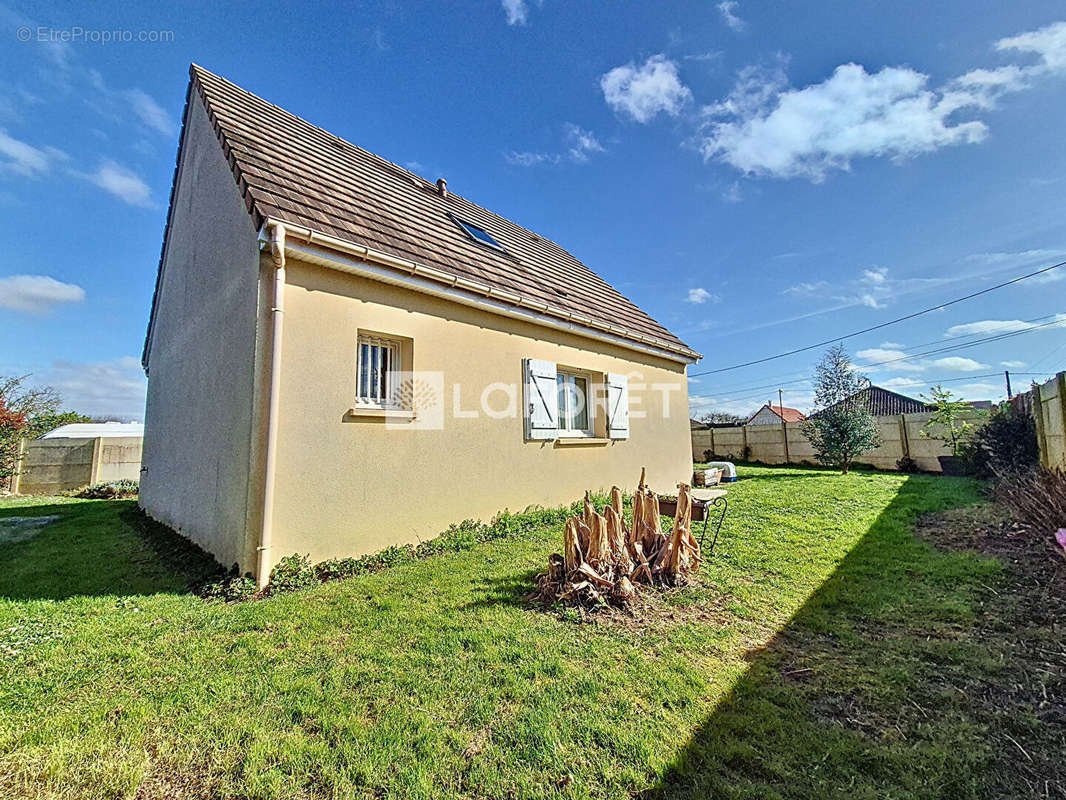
x=604, y=561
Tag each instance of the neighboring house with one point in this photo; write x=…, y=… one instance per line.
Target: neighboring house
x=883, y=403
x=343, y=356
x=774, y=415
x=95, y=430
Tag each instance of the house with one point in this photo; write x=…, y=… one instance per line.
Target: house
x=94, y=430
x=342, y=355
x=883, y=403
x=774, y=415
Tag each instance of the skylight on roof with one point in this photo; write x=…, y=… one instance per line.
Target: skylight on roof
x=477, y=234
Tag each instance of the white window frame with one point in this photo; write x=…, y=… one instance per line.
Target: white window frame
x=590, y=406
x=394, y=350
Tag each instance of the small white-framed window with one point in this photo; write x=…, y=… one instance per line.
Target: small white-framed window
x=378, y=366
x=575, y=408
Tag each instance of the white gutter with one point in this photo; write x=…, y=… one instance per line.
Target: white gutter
x=335, y=253
x=277, y=318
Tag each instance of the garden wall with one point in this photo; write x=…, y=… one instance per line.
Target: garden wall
x=900, y=435
x=55, y=465
x=1047, y=404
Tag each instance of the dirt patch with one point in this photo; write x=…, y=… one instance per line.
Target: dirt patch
x=1022, y=621
x=20, y=529
x=655, y=609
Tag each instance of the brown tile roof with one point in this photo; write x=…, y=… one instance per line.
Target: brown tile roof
x=292, y=171
x=786, y=413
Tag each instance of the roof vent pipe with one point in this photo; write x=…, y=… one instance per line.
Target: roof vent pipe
x=442, y=187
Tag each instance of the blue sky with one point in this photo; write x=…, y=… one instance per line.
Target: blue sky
x=756, y=176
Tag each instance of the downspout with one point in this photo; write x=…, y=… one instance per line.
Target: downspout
x=277, y=318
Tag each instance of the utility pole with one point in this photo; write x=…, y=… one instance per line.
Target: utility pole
x=784, y=425
x=1006, y=374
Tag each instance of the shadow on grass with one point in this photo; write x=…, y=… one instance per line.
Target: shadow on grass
x=871, y=689
x=99, y=547
x=505, y=590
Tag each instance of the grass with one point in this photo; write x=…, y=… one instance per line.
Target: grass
x=790, y=669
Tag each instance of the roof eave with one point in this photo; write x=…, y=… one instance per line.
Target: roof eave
x=338, y=253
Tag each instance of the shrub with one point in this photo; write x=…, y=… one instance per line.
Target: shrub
x=907, y=464
x=1036, y=498
x=1004, y=446
x=292, y=574
x=231, y=589
x=111, y=490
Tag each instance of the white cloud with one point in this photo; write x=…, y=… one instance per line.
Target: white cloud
x=122, y=183
x=728, y=9
x=891, y=345
x=874, y=287
x=25, y=159
x=530, y=159
x=149, y=111
x=700, y=295
x=579, y=145
x=645, y=91
x=115, y=387
x=980, y=391
x=882, y=355
x=998, y=326
x=767, y=128
x=37, y=293
x=1049, y=43
x=516, y=10
x=1012, y=364
x=1026, y=258
x=957, y=364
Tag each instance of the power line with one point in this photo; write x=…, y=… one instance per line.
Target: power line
x=904, y=318
x=1057, y=318
x=950, y=348
x=928, y=382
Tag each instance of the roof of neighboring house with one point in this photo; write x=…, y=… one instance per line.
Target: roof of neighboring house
x=884, y=402
x=93, y=430
x=291, y=171
x=784, y=412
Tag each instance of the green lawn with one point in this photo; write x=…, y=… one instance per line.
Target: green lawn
x=814, y=657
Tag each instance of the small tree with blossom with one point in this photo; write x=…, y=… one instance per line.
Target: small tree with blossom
x=13, y=426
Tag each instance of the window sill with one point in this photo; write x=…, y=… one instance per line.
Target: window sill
x=579, y=441
x=378, y=412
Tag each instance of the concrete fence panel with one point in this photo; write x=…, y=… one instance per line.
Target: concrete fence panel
x=765, y=444
x=56, y=465
x=1047, y=404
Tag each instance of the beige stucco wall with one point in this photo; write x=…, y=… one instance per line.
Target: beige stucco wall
x=200, y=416
x=349, y=485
